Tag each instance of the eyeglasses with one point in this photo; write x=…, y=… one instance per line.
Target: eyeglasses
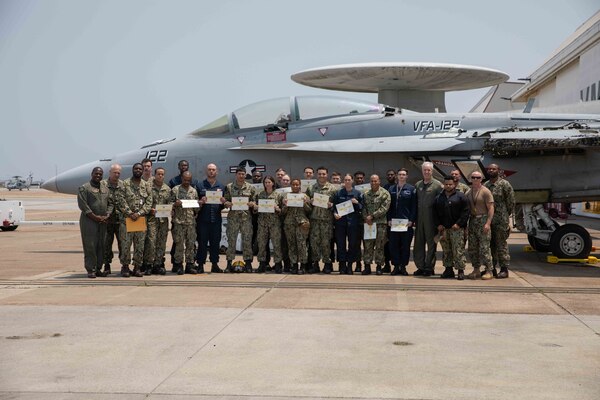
x=475, y=177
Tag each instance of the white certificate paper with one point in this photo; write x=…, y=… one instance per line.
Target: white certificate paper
x=399, y=225
x=189, y=204
x=363, y=188
x=370, y=232
x=306, y=183
x=295, y=200
x=213, y=196
x=320, y=200
x=284, y=190
x=163, y=210
x=239, y=203
x=266, y=206
x=345, y=208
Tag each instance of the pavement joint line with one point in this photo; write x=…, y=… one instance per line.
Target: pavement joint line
x=187, y=359
x=183, y=395
x=285, y=283
x=545, y=294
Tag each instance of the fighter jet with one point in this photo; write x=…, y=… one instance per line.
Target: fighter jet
x=546, y=157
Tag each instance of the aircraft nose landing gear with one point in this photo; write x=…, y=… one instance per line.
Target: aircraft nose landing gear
x=544, y=234
x=571, y=241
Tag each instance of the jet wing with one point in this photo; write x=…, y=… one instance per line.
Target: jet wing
x=396, y=144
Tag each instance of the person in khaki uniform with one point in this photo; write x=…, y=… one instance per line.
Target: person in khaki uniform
x=136, y=202
x=504, y=202
x=296, y=225
x=239, y=221
x=321, y=223
x=158, y=228
x=377, y=203
x=184, y=225
x=481, y=204
x=114, y=226
x=269, y=227
x=93, y=201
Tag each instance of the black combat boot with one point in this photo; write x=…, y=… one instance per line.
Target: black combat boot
x=349, y=269
x=136, y=272
x=215, y=268
x=328, y=268
x=262, y=267
x=98, y=274
x=178, y=268
x=200, y=268
x=358, y=267
x=503, y=274
x=387, y=268
x=147, y=269
x=303, y=269
x=287, y=266
x=278, y=267
x=189, y=269
x=229, y=268
x=448, y=273
x=378, y=270
x=107, y=269
x=342, y=265
x=294, y=269
x=495, y=272
x=461, y=275
x=403, y=271
x=367, y=270
x=248, y=266
x=395, y=271
x=142, y=268
x=316, y=269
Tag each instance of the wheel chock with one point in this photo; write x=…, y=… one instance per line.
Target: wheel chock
x=528, y=249
x=588, y=260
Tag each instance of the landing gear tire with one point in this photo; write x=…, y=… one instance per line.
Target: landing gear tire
x=538, y=245
x=571, y=241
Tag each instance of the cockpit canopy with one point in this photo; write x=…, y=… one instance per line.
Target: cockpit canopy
x=287, y=109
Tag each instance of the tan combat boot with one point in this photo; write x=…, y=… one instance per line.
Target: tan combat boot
x=487, y=275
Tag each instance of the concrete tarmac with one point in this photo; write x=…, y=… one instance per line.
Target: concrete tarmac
x=534, y=335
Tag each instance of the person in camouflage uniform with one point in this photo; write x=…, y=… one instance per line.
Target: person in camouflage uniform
x=425, y=247
x=239, y=221
x=450, y=216
x=269, y=226
x=504, y=207
x=461, y=187
x=295, y=225
x=481, y=204
x=158, y=228
x=321, y=223
x=377, y=203
x=135, y=202
x=184, y=225
x=114, y=226
x=93, y=201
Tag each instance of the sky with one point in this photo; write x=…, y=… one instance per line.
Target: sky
x=82, y=80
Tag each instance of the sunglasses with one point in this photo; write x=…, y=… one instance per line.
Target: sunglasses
x=475, y=177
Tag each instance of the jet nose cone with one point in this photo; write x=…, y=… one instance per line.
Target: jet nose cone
x=69, y=181
x=50, y=184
